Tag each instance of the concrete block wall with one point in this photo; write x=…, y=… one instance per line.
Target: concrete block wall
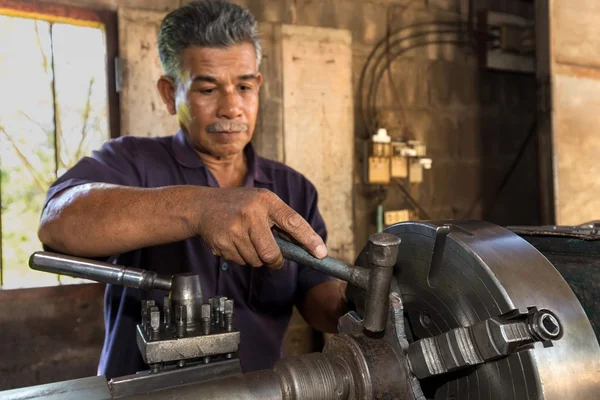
x=472, y=120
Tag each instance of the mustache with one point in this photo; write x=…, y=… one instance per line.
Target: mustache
x=218, y=127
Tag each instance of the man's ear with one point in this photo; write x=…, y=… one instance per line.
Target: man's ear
x=166, y=88
x=259, y=79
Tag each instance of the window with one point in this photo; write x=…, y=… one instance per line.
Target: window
x=54, y=110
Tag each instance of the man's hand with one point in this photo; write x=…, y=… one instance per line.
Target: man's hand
x=236, y=225
x=324, y=305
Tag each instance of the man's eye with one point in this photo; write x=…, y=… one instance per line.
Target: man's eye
x=207, y=91
x=245, y=88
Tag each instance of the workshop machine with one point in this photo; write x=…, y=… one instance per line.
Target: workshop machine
x=440, y=310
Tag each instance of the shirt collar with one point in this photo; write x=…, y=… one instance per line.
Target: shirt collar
x=187, y=157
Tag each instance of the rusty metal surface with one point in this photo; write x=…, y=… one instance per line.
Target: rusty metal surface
x=172, y=348
x=376, y=369
x=383, y=251
x=311, y=376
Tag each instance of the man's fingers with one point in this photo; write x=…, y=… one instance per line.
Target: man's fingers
x=230, y=253
x=266, y=247
x=248, y=253
x=294, y=225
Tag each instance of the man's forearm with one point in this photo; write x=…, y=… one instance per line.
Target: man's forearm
x=98, y=220
x=324, y=305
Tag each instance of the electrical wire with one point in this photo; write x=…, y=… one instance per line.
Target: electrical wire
x=415, y=204
x=513, y=167
x=372, y=93
x=507, y=175
x=372, y=72
x=380, y=46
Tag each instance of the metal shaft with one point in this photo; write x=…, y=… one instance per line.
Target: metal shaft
x=355, y=275
x=383, y=252
x=98, y=271
x=260, y=385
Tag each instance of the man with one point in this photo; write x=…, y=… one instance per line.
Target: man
x=200, y=200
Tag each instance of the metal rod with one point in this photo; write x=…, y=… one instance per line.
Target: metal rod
x=437, y=258
x=353, y=274
x=98, y=271
x=259, y=385
x=383, y=253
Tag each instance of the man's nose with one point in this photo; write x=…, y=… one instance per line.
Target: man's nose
x=230, y=106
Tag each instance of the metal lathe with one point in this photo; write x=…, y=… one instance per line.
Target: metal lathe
x=440, y=310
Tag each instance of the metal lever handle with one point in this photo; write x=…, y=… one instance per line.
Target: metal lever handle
x=353, y=274
x=98, y=271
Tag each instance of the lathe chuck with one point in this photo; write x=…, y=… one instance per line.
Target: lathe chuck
x=453, y=275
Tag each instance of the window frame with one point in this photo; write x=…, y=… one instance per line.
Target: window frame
x=55, y=13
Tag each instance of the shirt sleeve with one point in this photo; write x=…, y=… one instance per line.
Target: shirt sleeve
x=309, y=277
x=115, y=162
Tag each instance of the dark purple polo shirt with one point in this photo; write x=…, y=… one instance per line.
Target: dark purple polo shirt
x=263, y=298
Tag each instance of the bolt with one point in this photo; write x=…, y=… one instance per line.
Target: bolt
x=228, y=320
x=167, y=311
x=544, y=325
x=154, y=323
x=206, y=314
x=180, y=320
x=155, y=368
x=146, y=304
x=425, y=319
x=180, y=363
x=222, y=311
x=214, y=307
x=228, y=315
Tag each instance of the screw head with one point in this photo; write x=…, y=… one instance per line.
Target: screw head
x=424, y=319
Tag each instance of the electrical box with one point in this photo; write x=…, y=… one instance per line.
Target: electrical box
x=415, y=174
x=513, y=45
x=379, y=159
x=395, y=216
x=379, y=170
x=399, y=161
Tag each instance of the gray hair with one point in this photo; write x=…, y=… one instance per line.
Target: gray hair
x=210, y=23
